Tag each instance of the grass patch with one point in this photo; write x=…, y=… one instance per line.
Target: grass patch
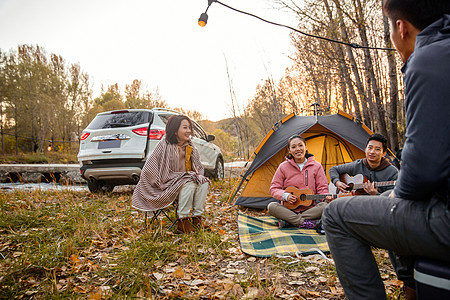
x=75, y=245
x=39, y=158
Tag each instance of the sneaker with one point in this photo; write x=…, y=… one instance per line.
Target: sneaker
x=282, y=223
x=308, y=224
x=319, y=227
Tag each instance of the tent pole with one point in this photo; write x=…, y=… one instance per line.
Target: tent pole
x=236, y=189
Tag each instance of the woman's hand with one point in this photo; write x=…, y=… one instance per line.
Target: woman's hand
x=291, y=198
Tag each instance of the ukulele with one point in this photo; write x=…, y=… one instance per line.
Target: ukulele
x=356, y=183
x=305, y=197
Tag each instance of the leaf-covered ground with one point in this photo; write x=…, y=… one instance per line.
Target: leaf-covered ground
x=81, y=246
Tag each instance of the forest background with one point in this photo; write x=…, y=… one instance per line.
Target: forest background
x=47, y=101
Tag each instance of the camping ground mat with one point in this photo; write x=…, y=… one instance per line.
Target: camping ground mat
x=260, y=236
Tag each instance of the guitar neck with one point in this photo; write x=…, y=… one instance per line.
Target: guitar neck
x=320, y=196
x=358, y=186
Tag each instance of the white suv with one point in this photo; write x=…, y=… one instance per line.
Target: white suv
x=116, y=144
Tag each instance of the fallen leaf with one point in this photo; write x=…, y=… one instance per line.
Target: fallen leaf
x=313, y=293
x=178, y=273
x=296, y=282
x=29, y=293
x=252, y=293
x=322, y=279
x=201, y=291
x=333, y=290
x=140, y=294
x=96, y=294
x=395, y=282
x=231, y=271
x=227, y=284
x=196, y=282
x=169, y=270
x=107, y=292
x=73, y=259
x=80, y=289
x=312, y=269
x=17, y=254
x=237, y=291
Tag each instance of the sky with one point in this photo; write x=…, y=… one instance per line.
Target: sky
x=160, y=43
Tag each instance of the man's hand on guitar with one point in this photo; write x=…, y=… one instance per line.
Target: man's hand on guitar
x=342, y=186
x=369, y=188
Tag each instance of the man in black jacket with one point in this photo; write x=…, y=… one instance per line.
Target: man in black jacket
x=415, y=220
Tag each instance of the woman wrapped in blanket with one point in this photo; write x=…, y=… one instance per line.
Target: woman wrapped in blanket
x=174, y=169
x=300, y=170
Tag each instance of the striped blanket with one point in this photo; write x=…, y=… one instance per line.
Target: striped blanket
x=260, y=236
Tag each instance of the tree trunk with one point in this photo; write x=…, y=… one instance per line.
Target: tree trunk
x=344, y=72
x=393, y=87
x=359, y=85
x=371, y=79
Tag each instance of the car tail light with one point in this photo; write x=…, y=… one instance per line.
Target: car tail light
x=156, y=134
x=119, y=112
x=141, y=131
x=84, y=135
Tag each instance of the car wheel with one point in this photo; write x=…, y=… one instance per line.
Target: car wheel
x=219, y=170
x=94, y=186
x=107, y=187
x=100, y=187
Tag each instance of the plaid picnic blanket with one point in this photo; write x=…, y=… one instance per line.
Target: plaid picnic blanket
x=260, y=236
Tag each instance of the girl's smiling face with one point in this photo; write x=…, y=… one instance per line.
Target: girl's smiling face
x=297, y=148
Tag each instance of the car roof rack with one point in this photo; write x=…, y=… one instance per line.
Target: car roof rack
x=165, y=109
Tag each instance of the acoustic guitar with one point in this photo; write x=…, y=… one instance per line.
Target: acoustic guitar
x=356, y=183
x=305, y=197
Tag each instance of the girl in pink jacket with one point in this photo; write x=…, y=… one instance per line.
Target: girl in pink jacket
x=300, y=170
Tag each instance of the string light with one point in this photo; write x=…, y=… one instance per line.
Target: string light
x=204, y=18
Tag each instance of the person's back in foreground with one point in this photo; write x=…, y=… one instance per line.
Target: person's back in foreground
x=415, y=220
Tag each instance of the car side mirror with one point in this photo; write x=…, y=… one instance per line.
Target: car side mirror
x=210, y=138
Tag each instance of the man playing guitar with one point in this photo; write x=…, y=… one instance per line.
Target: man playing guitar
x=375, y=167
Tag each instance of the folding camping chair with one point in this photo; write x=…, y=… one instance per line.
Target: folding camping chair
x=432, y=279
x=164, y=214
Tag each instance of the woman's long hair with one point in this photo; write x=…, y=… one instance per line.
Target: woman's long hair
x=172, y=126
x=289, y=144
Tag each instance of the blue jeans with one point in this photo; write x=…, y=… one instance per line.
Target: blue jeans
x=408, y=228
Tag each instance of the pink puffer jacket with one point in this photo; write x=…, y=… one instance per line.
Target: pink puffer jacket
x=288, y=174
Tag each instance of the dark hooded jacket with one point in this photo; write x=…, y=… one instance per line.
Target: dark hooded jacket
x=426, y=152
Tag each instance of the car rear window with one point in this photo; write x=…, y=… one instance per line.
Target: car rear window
x=165, y=117
x=122, y=119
